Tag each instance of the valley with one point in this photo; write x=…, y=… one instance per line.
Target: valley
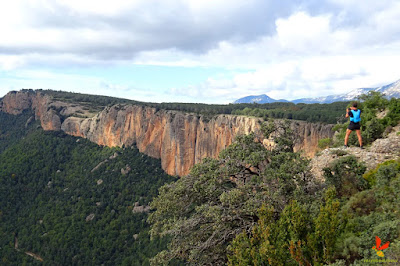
x=115, y=182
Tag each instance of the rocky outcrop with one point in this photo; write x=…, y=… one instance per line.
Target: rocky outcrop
x=137, y=208
x=126, y=170
x=90, y=217
x=17, y=102
x=179, y=139
x=381, y=150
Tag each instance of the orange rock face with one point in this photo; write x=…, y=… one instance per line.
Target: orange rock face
x=179, y=139
x=16, y=102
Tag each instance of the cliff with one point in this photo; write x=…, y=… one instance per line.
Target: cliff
x=381, y=150
x=179, y=139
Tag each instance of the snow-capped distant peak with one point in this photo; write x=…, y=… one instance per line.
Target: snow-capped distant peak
x=390, y=91
x=263, y=98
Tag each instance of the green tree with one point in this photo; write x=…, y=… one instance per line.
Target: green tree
x=220, y=198
x=291, y=237
x=327, y=224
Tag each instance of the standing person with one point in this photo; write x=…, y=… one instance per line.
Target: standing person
x=355, y=118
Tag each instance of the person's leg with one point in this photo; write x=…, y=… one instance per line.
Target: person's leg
x=359, y=137
x=346, y=138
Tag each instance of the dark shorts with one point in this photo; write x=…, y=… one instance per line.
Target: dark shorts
x=354, y=126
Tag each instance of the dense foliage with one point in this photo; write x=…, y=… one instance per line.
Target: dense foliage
x=13, y=128
x=342, y=231
x=55, y=202
x=328, y=113
x=258, y=207
x=205, y=210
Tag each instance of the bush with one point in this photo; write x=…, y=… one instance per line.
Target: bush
x=386, y=173
x=389, y=170
x=374, y=100
x=362, y=203
x=345, y=174
x=394, y=251
x=324, y=143
x=387, y=230
x=373, y=130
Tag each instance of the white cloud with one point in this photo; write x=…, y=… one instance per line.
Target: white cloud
x=100, y=7
x=111, y=30
x=310, y=57
x=45, y=79
x=9, y=62
x=289, y=49
x=302, y=33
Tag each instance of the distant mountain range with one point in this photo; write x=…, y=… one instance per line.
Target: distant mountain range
x=390, y=91
x=263, y=98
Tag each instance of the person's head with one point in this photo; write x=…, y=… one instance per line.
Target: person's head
x=354, y=104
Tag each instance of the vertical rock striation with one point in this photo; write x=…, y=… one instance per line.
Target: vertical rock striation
x=17, y=102
x=179, y=139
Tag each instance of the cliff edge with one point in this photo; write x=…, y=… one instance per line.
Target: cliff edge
x=179, y=139
x=381, y=150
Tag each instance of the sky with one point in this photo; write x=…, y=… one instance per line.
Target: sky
x=209, y=51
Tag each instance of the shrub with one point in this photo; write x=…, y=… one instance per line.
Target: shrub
x=362, y=203
x=373, y=130
x=394, y=251
x=339, y=127
x=345, y=174
x=324, y=143
x=388, y=171
x=387, y=230
x=374, y=100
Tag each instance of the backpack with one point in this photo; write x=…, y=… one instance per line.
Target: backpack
x=356, y=116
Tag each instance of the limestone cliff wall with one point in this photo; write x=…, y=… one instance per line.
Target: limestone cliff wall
x=179, y=139
x=16, y=102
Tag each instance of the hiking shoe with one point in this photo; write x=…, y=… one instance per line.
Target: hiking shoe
x=345, y=146
x=362, y=147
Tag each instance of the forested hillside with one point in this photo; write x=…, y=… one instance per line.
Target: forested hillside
x=69, y=201
x=13, y=128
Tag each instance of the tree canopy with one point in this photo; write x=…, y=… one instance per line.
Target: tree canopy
x=205, y=210
x=254, y=206
x=66, y=199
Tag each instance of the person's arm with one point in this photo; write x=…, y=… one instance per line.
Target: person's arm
x=347, y=112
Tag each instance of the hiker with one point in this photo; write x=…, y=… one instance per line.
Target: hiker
x=355, y=118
